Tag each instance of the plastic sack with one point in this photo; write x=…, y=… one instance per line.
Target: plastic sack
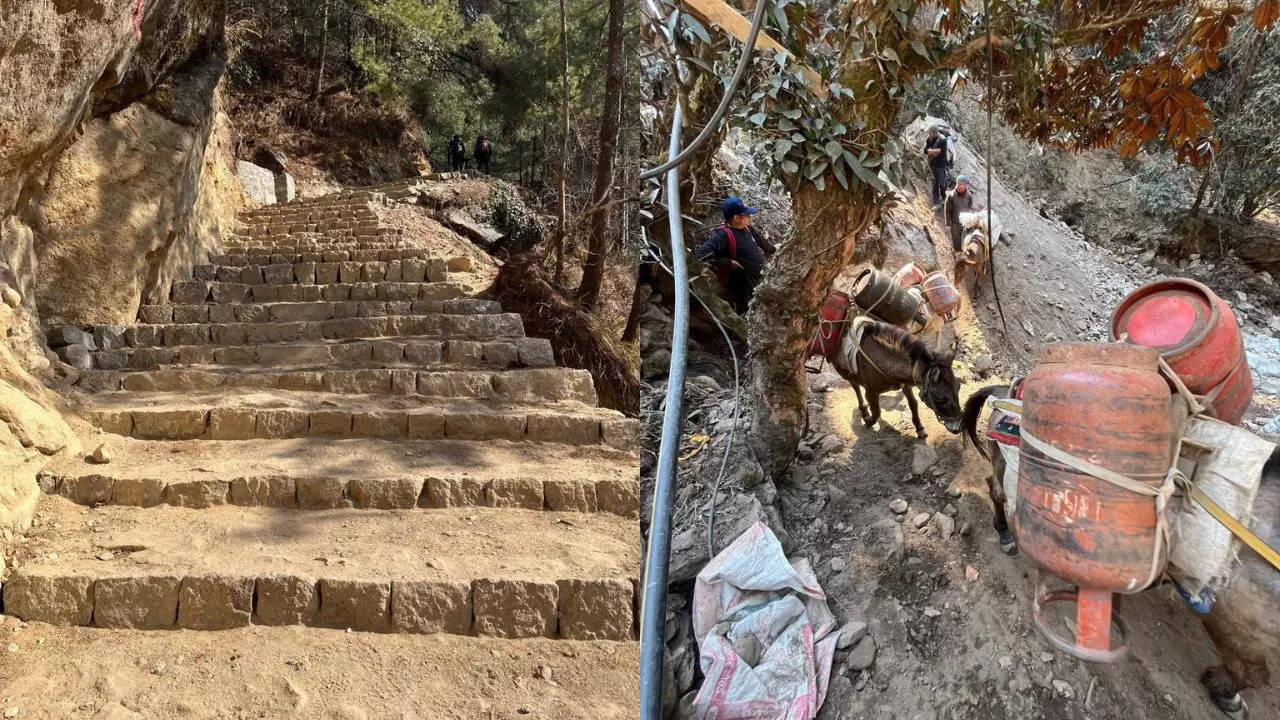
x=764, y=633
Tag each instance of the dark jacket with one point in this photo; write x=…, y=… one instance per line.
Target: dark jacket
x=483, y=150
x=751, y=248
x=940, y=142
x=956, y=204
x=457, y=150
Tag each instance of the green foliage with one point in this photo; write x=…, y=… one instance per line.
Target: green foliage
x=1247, y=99
x=506, y=211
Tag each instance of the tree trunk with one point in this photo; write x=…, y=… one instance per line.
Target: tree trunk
x=784, y=313
x=1204, y=185
x=610, y=118
x=638, y=299
x=562, y=181
x=324, y=47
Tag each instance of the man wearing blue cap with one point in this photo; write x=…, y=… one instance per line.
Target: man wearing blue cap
x=959, y=200
x=737, y=252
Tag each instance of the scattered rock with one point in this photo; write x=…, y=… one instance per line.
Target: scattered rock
x=946, y=525
x=101, y=455
x=983, y=364
x=898, y=506
x=12, y=298
x=949, y=509
x=932, y=612
x=747, y=647
x=970, y=573
x=862, y=655
x=544, y=672
x=1046, y=657
x=1063, y=688
x=919, y=520
x=1006, y=662
x=852, y=632
x=923, y=457
x=953, y=491
x=12, y=712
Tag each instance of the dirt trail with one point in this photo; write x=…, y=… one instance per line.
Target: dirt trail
x=328, y=427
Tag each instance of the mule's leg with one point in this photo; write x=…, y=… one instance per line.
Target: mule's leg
x=1244, y=664
x=915, y=411
x=862, y=408
x=995, y=488
x=874, y=401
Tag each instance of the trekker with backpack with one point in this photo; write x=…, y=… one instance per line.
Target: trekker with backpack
x=457, y=153
x=483, y=153
x=737, y=252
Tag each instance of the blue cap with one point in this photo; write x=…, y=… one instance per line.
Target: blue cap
x=733, y=205
x=962, y=179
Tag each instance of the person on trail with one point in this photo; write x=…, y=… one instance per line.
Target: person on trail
x=457, y=153
x=936, y=153
x=483, y=153
x=958, y=201
x=737, y=252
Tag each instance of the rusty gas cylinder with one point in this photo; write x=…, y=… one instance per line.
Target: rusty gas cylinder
x=1105, y=403
x=1197, y=335
x=878, y=295
x=831, y=324
x=941, y=294
x=909, y=275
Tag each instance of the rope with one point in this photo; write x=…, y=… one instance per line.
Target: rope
x=991, y=254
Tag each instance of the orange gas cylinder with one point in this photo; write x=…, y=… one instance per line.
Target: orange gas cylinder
x=941, y=294
x=1106, y=404
x=831, y=324
x=1196, y=333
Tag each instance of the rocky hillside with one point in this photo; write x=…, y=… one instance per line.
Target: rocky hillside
x=114, y=181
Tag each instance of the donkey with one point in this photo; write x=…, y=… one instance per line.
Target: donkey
x=1242, y=624
x=989, y=450
x=975, y=247
x=890, y=358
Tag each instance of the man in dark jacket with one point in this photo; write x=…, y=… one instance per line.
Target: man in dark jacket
x=737, y=251
x=958, y=201
x=457, y=153
x=483, y=153
x=935, y=152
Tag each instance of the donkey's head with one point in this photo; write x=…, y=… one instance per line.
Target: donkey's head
x=939, y=388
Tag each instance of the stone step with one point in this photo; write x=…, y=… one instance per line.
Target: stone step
x=320, y=310
x=261, y=413
x=572, y=478
x=193, y=292
x=326, y=273
x=321, y=673
x=471, y=327
x=378, y=352
x=269, y=258
x=529, y=385
x=504, y=572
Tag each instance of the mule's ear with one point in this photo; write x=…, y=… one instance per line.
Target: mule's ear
x=947, y=358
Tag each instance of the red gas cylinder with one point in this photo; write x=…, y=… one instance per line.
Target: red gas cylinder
x=1107, y=404
x=831, y=325
x=910, y=274
x=1196, y=333
x=941, y=294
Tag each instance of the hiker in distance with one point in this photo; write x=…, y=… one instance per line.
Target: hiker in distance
x=737, y=251
x=483, y=153
x=936, y=152
x=457, y=153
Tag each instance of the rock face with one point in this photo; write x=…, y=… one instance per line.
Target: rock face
x=104, y=183
x=111, y=185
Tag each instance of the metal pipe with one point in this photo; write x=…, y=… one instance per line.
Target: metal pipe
x=653, y=611
x=757, y=20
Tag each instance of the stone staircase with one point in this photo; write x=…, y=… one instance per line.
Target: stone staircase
x=325, y=427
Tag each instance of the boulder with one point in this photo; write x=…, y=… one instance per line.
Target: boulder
x=69, y=335
x=259, y=183
x=923, y=457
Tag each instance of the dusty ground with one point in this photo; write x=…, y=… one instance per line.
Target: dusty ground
x=305, y=674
